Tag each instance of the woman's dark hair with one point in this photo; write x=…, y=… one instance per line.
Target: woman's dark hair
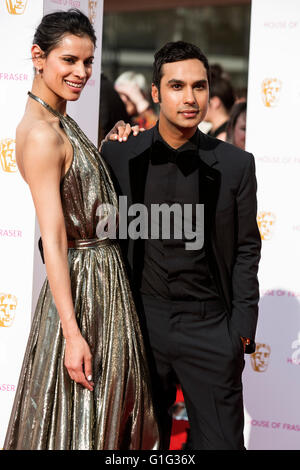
x=55, y=26
x=175, y=52
x=221, y=87
x=237, y=109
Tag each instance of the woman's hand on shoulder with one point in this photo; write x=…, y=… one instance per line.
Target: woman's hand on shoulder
x=121, y=131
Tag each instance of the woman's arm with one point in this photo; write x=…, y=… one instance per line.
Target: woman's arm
x=43, y=160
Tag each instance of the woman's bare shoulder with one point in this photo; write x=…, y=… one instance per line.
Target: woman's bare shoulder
x=38, y=132
x=38, y=145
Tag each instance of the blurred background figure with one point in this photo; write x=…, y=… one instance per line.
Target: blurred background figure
x=222, y=98
x=132, y=88
x=236, y=129
x=112, y=108
x=179, y=412
x=241, y=94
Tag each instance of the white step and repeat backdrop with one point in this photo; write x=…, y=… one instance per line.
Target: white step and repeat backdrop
x=272, y=374
x=19, y=259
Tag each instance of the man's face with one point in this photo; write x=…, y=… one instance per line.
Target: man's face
x=184, y=94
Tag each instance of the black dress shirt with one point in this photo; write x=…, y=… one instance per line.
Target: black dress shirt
x=170, y=270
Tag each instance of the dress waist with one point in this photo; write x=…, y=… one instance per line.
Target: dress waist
x=89, y=243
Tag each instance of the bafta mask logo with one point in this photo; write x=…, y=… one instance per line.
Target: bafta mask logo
x=296, y=353
x=8, y=305
x=266, y=222
x=16, y=7
x=8, y=156
x=270, y=91
x=93, y=10
x=260, y=358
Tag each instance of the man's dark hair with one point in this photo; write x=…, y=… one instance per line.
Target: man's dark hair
x=55, y=26
x=175, y=52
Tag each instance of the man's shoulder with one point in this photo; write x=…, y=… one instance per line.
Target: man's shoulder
x=228, y=153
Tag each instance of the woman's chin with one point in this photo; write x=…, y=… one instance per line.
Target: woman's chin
x=73, y=98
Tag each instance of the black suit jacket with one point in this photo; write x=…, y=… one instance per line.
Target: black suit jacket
x=227, y=187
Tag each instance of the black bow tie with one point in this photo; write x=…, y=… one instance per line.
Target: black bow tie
x=186, y=160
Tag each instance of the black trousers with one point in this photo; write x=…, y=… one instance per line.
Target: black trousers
x=193, y=343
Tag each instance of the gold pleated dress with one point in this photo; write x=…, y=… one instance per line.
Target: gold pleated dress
x=50, y=410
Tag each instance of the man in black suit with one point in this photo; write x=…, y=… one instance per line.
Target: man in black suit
x=200, y=304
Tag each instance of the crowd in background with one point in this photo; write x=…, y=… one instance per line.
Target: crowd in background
x=129, y=99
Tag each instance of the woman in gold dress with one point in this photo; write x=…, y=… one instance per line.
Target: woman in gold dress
x=84, y=382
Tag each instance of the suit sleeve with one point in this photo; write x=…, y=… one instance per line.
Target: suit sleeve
x=245, y=287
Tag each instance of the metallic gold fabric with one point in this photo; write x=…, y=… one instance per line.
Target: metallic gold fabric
x=50, y=410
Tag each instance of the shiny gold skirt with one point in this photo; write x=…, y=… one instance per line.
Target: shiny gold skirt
x=50, y=410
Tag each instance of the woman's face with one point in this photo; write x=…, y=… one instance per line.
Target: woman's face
x=129, y=105
x=239, y=132
x=68, y=67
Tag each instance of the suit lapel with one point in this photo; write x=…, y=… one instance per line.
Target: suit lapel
x=138, y=169
x=209, y=187
x=138, y=166
x=209, y=177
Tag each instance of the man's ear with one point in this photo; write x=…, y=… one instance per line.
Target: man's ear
x=155, y=94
